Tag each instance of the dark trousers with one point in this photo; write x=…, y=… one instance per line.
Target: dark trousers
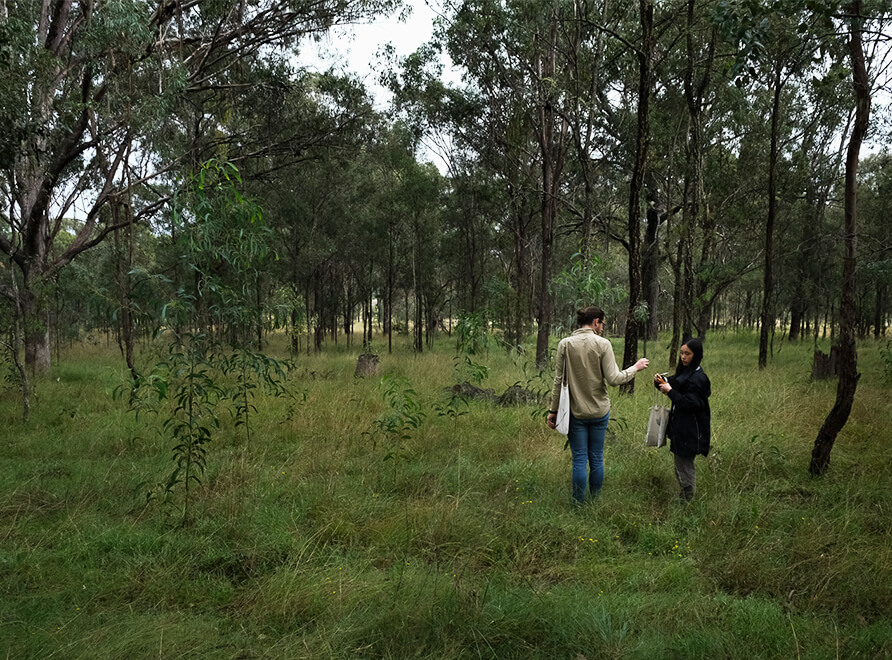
x=687, y=478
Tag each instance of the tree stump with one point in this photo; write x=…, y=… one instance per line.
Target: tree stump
x=825, y=366
x=366, y=365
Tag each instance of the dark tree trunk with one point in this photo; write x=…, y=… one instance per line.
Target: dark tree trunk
x=767, y=319
x=551, y=145
x=319, y=328
x=649, y=272
x=848, y=358
x=796, y=315
x=630, y=351
x=258, y=311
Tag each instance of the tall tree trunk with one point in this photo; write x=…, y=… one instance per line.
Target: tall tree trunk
x=767, y=319
x=587, y=88
x=848, y=358
x=551, y=143
x=543, y=315
x=388, y=297
x=642, y=141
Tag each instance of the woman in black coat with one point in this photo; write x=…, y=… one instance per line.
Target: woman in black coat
x=689, y=421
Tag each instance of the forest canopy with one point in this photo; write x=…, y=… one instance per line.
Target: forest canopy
x=680, y=164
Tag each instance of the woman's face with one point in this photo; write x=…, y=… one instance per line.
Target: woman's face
x=686, y=355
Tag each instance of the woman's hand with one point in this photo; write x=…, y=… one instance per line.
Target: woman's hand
x=642, y=364
x=662, y=384
x=551, y=420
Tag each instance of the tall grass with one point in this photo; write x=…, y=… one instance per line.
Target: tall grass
x=319, y=539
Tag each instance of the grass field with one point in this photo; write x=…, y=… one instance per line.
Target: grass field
x=353, y=525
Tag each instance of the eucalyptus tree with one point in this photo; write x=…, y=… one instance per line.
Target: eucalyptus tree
x=699, y=57
x=511, y=57
x=594, y=62
x=453, y=122
x=494, y=124
x=810, y=248
x=701, y=93
x=87, y=91
x=645, y=53
x=501, y=171
x=316, y=227
x=414, y=208
x=316, y=198
x=848, y=359
x=778, y=44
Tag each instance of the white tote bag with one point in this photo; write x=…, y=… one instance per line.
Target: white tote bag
x=562, y=423
x=657, y=424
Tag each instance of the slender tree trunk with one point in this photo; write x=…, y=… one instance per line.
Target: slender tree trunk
x=551, y=146
x=848, y=358
x=309, y=316
x=767, y=318
x=630, y=352
x=418, y=333
x=258, y=299
x=388, y=298
x=545, y=298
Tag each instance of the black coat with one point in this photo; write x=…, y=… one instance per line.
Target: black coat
x=690, y=418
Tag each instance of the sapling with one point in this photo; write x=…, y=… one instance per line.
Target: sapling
x=184, y=391
x=397, y=424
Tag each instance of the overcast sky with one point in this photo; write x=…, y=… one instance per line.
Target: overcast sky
x=355, y=48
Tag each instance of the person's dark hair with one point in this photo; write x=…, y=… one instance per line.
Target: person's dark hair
x=696, y=347
x=587, y=315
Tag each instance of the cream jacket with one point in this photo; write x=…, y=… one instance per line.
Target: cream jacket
x=591, y=367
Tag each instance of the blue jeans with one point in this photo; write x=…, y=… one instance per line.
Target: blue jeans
x=586, y=438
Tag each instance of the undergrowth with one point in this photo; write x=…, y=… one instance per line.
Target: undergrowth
x=388, y=518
